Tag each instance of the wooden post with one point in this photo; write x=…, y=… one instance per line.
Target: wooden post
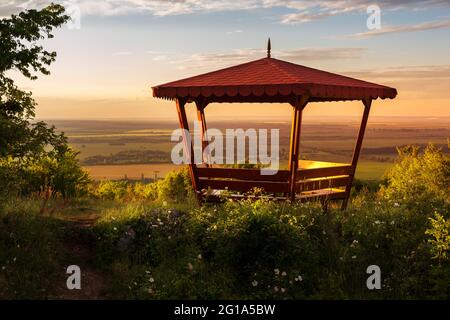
x=367, y=103
x=298, y=106
x=188, y=148
x=201, y=118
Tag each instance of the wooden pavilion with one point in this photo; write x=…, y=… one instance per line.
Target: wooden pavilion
x=270, y=80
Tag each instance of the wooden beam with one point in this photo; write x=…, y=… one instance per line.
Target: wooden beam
x=201, y=118
x=242, y=174
x=244, y=185
x=188, y=148
x=298, y=106
x=324, y=172
x=367, y=103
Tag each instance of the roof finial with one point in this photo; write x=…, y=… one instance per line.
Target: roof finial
x=269, y=47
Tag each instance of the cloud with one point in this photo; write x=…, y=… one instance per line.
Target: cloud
x=302, y=11
x=234, y=31
x=412, y=82
x=407, y=72
x=223, y=59
x=430, y=25
x=316, y=10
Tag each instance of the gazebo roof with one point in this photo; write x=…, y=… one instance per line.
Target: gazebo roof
x=271, y=80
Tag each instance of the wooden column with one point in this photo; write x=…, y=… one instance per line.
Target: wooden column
x=188, y=148
x=367, y=103
x=201, y=118
x=297, y=111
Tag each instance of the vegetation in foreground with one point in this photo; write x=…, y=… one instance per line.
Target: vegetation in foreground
x=152, y=241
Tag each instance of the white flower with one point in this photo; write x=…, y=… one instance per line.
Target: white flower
x=353, y=257
x=275, y=289
x=150, y=290
x=392, y=222
x=299, y=278
x=277, y=271
x=151, y=279
x=190, y=266
x=164, y=203
x=115, y=229
x=254, y=283
x=199, y=256
x=377, y=222
x=283, y=290
x=283, y=274
x=396, y=204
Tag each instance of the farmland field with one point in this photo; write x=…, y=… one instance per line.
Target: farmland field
x=118, y=149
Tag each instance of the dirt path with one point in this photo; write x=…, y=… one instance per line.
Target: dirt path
x=79, y=245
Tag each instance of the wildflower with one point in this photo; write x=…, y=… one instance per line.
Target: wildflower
x=150, y=290
x=396, y=204
x=283, y=274
x=353, y=257
x=299, y=278
x=277, y=271
x=377, y=222
x=199, y=257
x=190, y=266
x=3, y=267
x=164, y=203
x=151, y=279
x=275, y=289
x=115, y=229
x=283, y=290
x=392, y=222
x=254, y=283
x=324, y=232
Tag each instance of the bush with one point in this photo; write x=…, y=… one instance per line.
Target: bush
x=420, y=179
x=175, y=187
x=60, y=173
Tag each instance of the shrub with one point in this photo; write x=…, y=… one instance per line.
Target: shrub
x=419, y=179
x=176, y=186
x=60, y=173
x=112, y=190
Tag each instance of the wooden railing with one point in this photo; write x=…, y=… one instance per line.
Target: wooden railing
x=308, y=180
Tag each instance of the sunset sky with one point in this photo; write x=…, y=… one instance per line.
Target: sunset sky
x=106, y=67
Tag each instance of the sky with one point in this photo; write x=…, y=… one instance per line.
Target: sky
x=114, y=51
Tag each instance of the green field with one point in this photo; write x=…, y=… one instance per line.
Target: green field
x=324, y=141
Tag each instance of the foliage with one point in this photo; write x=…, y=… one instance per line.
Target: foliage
x=266, y=250
x=59, y=172
x=175, y=187
x=420, y=179
x=30, y=252
x=19, y=137
x=440, y=233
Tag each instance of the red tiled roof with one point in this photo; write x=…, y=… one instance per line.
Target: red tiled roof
x=270, y=78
